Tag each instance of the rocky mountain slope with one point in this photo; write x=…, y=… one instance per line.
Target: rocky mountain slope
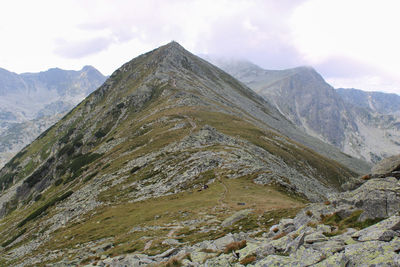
x=354, y=228
x=383, y=103
x=31, y=102
x=164, y=151
x=302, y=95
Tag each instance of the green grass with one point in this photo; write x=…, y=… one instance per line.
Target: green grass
x=119, y=219
x=351, y=221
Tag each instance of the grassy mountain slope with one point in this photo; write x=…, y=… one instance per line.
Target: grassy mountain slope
x=127, y=165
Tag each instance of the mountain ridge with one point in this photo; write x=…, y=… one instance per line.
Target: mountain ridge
x=167, y=135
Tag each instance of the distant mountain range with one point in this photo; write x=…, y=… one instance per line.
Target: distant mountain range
x=31, y=102
x=361, y=124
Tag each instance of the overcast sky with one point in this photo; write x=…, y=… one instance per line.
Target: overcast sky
x=352, y=43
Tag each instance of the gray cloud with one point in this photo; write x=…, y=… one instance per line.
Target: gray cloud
x=346, y=68
x=256, y=30
x=81, y=49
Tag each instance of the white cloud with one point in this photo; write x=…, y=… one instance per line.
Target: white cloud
x=361, y=30
x=344, y=39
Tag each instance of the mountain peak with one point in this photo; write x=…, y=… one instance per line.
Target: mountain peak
x=173, y=45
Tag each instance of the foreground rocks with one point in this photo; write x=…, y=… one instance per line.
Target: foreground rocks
x=319, y=235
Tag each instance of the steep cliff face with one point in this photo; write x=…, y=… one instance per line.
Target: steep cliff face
x=139, y=152
x=383, y=103
x=303, y=96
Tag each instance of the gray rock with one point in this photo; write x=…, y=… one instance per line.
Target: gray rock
x=308, y=256
x=329, y=247
x=101, y=248
x=336, y=260
x=295, y=244
x=386, y=166
x=371, y=252
x=315, y=237
x=171, y=242
x=236, y=217
x=220, y=243
x=276, y=261
x=168, y=253
x=382, y=231
x=378, y=198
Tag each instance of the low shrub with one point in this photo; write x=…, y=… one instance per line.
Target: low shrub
x=349, y=222
x=12, y=239
x=43, y=208
x=100, y=133
x=67, y=149
x=38, y=197
x=106, y=166
x=58, y=182
x=135, y=169
x=83, y=160
x=37, y=175
x=90, y=177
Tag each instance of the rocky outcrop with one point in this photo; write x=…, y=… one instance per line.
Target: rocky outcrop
x=289, y=243
x=387, y=167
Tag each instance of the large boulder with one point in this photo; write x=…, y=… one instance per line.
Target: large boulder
x=382, y=231
x=378, y=198
x=387, y=166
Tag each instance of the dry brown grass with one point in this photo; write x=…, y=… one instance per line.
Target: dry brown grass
x=235, y=246
x=327, y=202
x=275, y=229
x=248, y=259
x=207, y=250
x=295, y=235
x=309, y=213
x=279, y=236
x=366, y=177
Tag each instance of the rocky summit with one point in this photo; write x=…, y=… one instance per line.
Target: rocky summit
x=174, y=162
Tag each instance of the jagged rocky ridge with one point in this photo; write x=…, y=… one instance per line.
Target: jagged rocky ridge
x=354, y=228
x=160, y=127
x=383, y=103
x=354, y=121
